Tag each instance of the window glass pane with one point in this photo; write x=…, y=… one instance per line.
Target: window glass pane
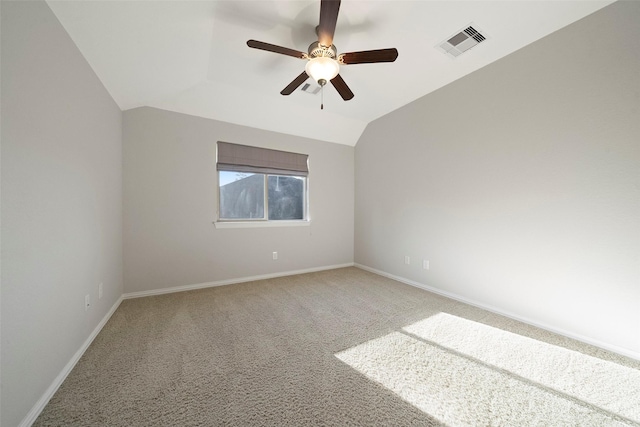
x=286, y=197
x=241, y=195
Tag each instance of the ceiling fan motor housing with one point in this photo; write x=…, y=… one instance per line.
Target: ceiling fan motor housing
x=316, y=50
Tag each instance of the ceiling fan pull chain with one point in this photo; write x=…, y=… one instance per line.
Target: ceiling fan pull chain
x=322, y=97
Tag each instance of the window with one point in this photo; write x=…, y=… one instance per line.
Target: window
x=258, y=184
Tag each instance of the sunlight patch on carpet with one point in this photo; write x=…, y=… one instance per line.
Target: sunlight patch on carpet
x=459, y=391
x=604, y=384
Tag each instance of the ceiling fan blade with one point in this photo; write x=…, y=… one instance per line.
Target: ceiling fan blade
x=342, y=88
x=295, y=83
x=277, y=49
x=369, y=56
x=328, y=17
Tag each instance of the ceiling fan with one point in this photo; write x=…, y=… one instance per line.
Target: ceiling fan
x=323, y=60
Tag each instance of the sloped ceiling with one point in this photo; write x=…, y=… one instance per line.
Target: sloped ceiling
x=191, y=56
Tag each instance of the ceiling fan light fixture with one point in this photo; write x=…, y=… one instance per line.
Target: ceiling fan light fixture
x=322, y=69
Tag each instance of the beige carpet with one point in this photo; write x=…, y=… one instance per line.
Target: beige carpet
x=336, y=348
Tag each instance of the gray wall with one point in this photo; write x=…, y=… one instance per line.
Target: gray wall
x=61, y=203
x=520, y=183
x=170, y=197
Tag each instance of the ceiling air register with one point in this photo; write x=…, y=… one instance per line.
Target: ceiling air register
x=462, y=41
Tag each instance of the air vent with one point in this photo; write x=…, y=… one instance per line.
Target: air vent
x=462, y=41
x=310, y=89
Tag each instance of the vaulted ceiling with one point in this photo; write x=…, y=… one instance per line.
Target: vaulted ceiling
x=191, y=56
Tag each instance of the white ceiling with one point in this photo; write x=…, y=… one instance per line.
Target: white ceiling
x=191, y=56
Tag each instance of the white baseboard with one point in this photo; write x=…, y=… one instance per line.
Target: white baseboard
x=48, y=394
x=609, y=347
x=230, y=281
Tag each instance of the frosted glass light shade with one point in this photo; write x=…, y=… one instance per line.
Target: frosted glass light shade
x=322, y=68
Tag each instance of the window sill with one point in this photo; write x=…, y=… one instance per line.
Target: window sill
x=261, y=224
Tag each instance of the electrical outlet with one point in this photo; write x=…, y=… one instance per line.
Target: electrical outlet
x=100, y=291
x=407, y=260
x=425, y=264
x=87, y=302
x=275, y=256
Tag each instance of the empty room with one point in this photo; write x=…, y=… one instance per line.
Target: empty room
x=320, y=212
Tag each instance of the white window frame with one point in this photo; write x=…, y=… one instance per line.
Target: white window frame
x=265, y=221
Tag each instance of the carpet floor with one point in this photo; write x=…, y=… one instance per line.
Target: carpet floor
x=342, y=347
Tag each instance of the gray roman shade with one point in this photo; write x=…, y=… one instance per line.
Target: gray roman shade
x=244, y=158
